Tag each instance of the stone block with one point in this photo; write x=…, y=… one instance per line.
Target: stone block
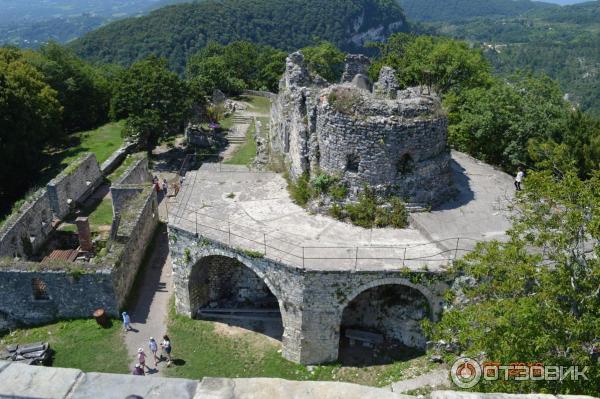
x=19, y=380
x=272, y=388
x=109, y=386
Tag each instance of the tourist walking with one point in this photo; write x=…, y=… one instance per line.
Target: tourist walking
x=142, y=358
x=153, y=345
x=165, y=187
x=126, y=321
x=166, y=348
x=138, y=370
x=519, y=178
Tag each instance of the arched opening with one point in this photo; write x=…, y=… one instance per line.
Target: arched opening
x=352, y=163
x=405, y=165
x=225, y=290
x=382, y=325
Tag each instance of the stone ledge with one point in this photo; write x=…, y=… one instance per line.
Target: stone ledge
x=18, y=380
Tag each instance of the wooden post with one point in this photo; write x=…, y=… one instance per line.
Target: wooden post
x=404, y=258
x=303, y=266
x=265, y=239
x=356, y=260
x=196, y=214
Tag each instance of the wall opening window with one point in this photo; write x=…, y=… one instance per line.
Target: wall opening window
x=406, y=165
x=352, y=162
x=40, y=289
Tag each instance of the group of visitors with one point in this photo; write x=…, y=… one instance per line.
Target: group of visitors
x=164, y=186
x=165, y=345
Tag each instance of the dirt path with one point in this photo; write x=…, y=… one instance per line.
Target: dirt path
x=150, y=309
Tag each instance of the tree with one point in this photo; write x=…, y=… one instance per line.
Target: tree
x=29, y=115
x=82, y=89
x=155, y=100
x=536, y=297
x=496, y=123
x=235, y=67
x=326, y=60
x=440, y=63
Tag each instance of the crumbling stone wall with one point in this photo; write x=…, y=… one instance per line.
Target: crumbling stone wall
x=131, y=183
x=70, y=294
x=76, y=289
x=24, y=233
x=135, y=232
x=74, y=183
x=311, y=302
x=394, y=141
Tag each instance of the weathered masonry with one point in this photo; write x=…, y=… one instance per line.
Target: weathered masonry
x=392, y=140
x=315, y=306
x=33, y=293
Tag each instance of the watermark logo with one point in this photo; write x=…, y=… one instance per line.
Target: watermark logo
x=467, y=372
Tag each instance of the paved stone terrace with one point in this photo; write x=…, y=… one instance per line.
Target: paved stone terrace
x=252, y=210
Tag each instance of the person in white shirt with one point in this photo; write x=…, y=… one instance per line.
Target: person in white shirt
x=519, y=178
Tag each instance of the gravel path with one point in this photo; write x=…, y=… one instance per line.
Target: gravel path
x=150, y=309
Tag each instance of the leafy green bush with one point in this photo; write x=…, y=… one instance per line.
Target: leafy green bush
x=371, y=211
x=364, y=212
x=338, y=191
x=322, y=182
x=301, y=190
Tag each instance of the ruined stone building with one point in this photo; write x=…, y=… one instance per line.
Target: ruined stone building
x=394, y=141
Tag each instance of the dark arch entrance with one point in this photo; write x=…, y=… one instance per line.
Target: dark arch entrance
x=225, y=290
x=382, y=325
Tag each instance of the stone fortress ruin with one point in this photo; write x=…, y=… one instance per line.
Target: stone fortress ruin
x=49, y=273
x=393, y=141
x=243, y=252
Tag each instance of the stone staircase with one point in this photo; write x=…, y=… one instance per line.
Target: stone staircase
x=237, y=133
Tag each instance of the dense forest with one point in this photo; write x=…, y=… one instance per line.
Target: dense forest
x=176, y=32
x=562, y=42
x=458, y=10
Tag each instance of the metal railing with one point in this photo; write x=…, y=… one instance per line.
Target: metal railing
x=261, y=243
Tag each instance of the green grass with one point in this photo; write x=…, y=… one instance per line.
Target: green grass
x=257, y=103
x=247, y=152
x=80, y=344
x=200, y=351
x=121, y=169
x=103, y=214
x=102, y=141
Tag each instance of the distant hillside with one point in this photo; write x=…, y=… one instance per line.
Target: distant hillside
x=177, y=31
x=563, y=42
x=32, y=23
x=454, y=10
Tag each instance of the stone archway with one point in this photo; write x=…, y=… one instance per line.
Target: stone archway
x=381, y=322
x=222, y=288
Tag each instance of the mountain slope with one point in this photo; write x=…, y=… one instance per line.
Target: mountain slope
x=563, y=42
x=177, y=31
x=454, y=10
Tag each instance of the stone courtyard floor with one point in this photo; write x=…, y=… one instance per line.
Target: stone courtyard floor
x=253, y=211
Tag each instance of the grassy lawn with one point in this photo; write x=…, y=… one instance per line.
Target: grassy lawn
x=202, y=351
x=247, y=152
x=80, y=344
x=102, y=141
x=257, y=103
x=122, y=168
x=102, y=215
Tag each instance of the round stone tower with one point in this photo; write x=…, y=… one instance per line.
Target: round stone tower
x=393, y=141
